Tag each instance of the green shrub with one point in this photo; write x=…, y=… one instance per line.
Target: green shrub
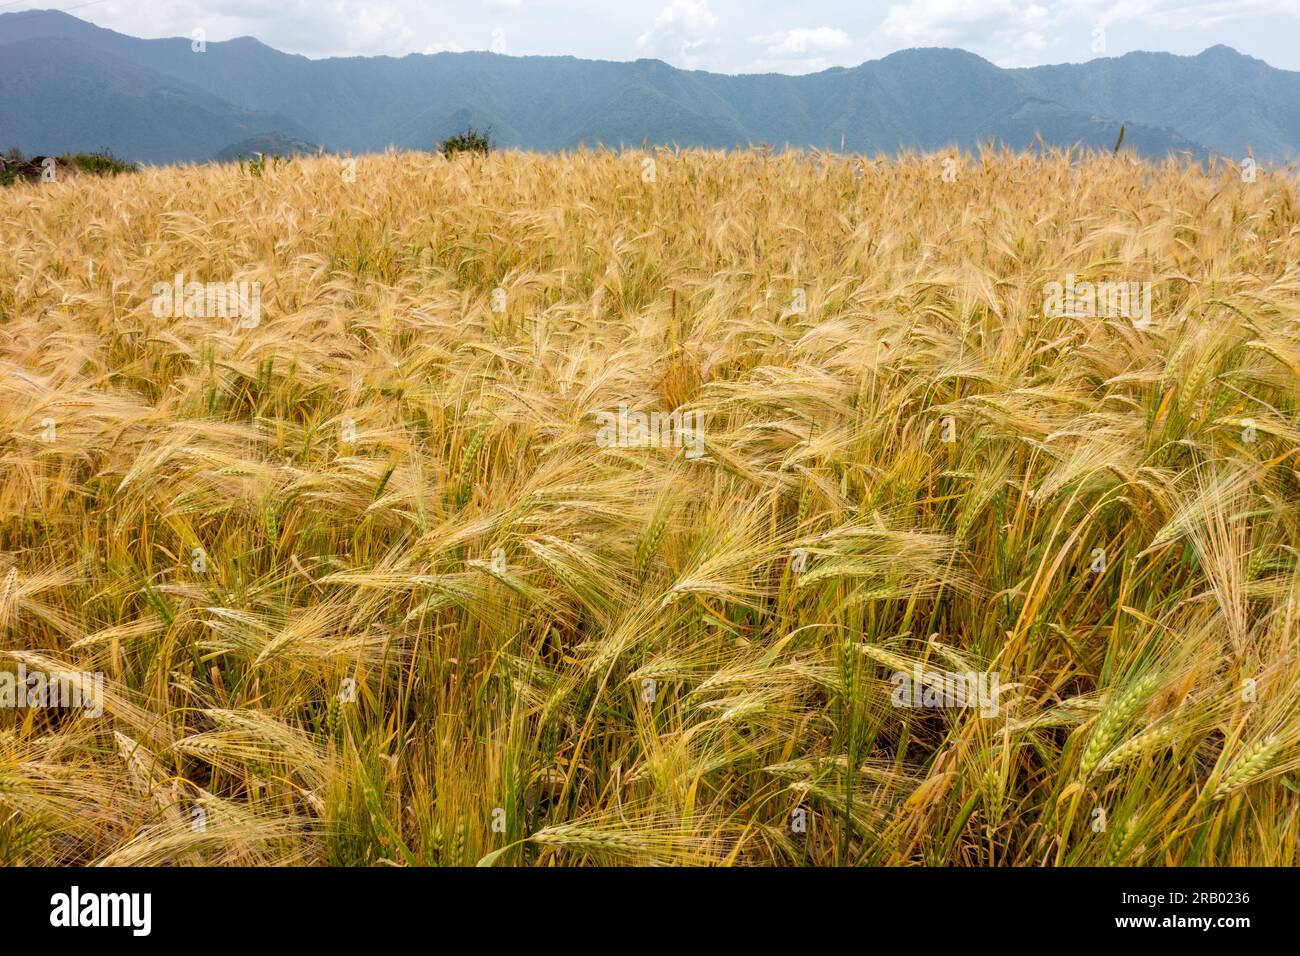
x=102, y=163
x=470, y=141
x=14, y=166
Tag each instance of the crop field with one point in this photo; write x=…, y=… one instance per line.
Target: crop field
x=686, y=508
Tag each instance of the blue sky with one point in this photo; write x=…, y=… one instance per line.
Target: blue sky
x=732, y=36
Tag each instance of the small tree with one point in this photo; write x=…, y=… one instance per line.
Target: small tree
x=470, y=141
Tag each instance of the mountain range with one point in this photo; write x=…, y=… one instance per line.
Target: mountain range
x=67, y=86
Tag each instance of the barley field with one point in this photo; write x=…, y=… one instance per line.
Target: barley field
x=387, y=572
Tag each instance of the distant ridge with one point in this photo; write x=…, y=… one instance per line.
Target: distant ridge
x=70, y=85
x=268, y=144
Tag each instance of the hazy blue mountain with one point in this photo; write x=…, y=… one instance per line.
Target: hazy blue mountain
x=1222, y=98
x=916, y=98
x=62, y=96
x=268, y=144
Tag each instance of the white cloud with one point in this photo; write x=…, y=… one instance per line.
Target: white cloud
x=733, y=36
x=949, y=22
x=1176, y=14
x=681, y=31
x=957, y=22
x=1009, y=32
x=1027, y=32
x=803, y=42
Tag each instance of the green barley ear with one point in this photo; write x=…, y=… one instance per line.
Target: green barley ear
x=465, y=475
x=20, y=839
x=580, y=837
x=457, y=854
x=332, y=715
x=1121, y=843
x=1262, y=560
x=805, y=503
x=649, y=544
x=435, y=844
x=272, y=524
x=1248, y=765
x=1148, y=740
x=1114, y=718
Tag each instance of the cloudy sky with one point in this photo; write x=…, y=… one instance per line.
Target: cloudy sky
x=731, y=36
